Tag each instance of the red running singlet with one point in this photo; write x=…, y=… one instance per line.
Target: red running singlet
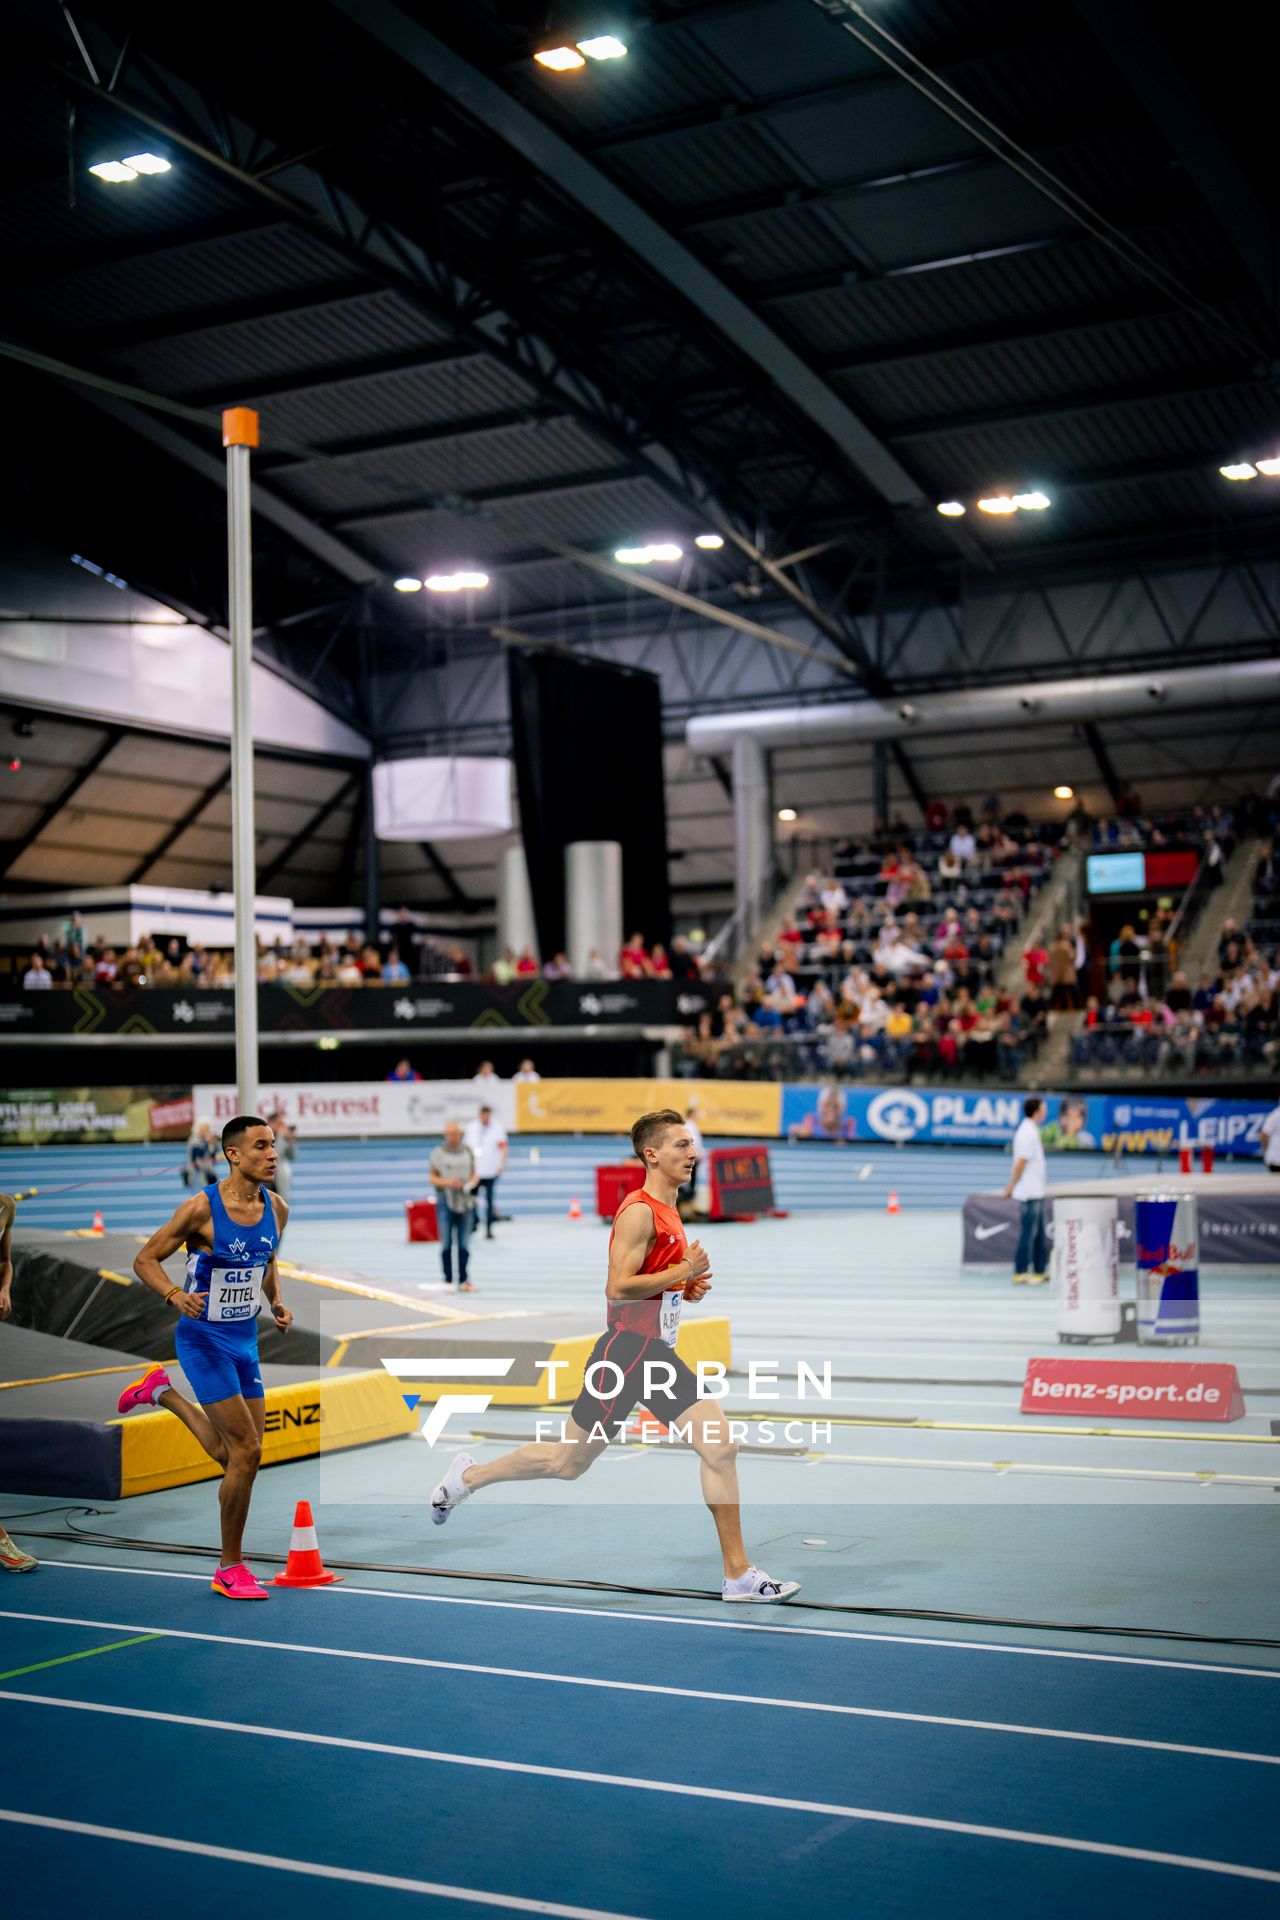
x=669, y=1246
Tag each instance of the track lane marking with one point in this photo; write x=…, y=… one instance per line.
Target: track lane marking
x=16, y=1673
x=677, y=1789
x=316, y=1869
x=638, y=1686
x=718, y=1626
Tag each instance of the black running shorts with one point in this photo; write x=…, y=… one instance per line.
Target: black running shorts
x=612, y=1401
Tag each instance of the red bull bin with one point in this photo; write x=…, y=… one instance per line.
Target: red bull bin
x=1167, y=1257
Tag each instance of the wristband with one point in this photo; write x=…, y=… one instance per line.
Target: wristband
x=168, y=1297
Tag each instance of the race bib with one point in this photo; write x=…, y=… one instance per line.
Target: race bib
x=669, y=1315
x=235, y=1293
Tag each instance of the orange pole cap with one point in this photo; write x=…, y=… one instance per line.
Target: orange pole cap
x=239, y=427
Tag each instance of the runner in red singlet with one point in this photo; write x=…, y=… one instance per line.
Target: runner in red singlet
x=653, y=1270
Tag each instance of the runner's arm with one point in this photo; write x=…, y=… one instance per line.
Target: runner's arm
x=166, y=1240
x=271, y=1279
x=633, y=1236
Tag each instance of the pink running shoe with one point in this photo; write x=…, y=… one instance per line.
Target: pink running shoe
x=237, y=1583
x=141, y=1393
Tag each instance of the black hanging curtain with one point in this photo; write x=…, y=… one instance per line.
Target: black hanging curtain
x=588, y=754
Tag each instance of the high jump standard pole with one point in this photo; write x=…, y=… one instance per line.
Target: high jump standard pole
x=239, y=435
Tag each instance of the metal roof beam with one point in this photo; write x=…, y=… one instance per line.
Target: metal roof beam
x=801, y=99
x=339, y=798
x=1093, y=740
x=1207, y=382
x=273, y=384
x=421, y=436
x=13, y=850
x=38, y=268
x=480, y=497
x=576, y=178
x=1004, y=333
x=1149, y=69
x=179, y=827
x=271, y=306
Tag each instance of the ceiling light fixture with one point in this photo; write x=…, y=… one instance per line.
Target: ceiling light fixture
x=786, y=813
x=641, y=556
x=454, y=582
x=1032, y=502
x=998, y=503
x=559, y=59
x=114, y=172
x=147, y=163
x=950, y=509
x=1239, y=470
x=1270, y=467
x=602, y=46
x=1064, y=793
x=408, y=584
x=709, y=542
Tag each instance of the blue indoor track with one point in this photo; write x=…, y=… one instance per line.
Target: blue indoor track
x=370, y=1751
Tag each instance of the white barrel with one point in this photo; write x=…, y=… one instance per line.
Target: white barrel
x=1085, y=1270
x=517, y=927
x=593, y=903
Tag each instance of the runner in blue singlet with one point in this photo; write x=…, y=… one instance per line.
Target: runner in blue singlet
x=231, y=1233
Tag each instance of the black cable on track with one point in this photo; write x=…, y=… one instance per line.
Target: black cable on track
x=89, y=1536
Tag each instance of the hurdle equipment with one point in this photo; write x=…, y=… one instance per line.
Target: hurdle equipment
x=304, y=1567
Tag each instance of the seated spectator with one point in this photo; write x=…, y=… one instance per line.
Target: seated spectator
x=659, y=965
x=634, y=959
x=402, y=1070
x=105, y=968
x=503, y=970
x=1060, y=973
x=395, y=973
x=791, y=938
x=834, y=899
x=349, y=974
x=595, y=967
x=558, y=968
x=962, y=846
x=37, y=976
x=1178, y=998
x=525, y=1075
x=949, y=867
x=370, y=966
x=526, y=964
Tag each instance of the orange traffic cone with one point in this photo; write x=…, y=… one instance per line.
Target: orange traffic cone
x=575, y=1210
x=98, y=1224
x=304, y=1567
x=893, y=1206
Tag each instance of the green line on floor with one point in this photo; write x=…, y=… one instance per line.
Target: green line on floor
x=112, y=1646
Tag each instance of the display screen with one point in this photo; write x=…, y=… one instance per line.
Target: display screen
x=741, y=1181
x=1117, y=872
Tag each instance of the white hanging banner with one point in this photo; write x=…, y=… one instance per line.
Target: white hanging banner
x=441, y=798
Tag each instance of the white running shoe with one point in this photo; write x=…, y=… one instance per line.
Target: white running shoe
x=754, y=1585
x=452, y=1491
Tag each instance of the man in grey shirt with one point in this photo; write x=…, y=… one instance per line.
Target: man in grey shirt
x=452, y=1171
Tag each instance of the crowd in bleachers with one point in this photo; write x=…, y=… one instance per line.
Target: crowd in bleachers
x=1154, y=1019
x=887, y=967
x=72, y=956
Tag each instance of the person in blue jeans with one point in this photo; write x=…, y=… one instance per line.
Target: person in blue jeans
x=452, y=1172
x=1027, y=1185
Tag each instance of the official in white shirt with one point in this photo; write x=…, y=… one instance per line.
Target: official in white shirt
x=1027, y=1185
x=1271, y=1140
x=487, y=1140
x=688, y=1194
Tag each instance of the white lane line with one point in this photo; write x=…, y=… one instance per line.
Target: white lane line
x=717, y=1626
x=438, y=1890
x=637, y=1686
x=678, y=1789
